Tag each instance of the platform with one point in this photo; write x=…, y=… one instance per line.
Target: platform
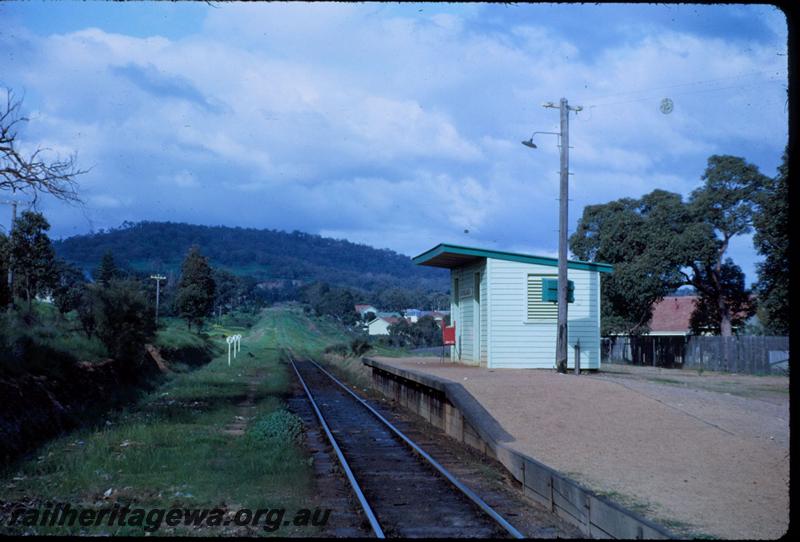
x=711, y=462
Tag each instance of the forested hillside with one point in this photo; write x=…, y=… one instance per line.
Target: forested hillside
x=263, y=254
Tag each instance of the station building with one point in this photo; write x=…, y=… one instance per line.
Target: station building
x=501, y=308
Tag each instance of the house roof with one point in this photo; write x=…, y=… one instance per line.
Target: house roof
x=388, y=319
x=673, y=314
x=450, y=256
x=360, y=308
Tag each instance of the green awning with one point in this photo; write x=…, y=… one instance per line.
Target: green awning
x=452, y=256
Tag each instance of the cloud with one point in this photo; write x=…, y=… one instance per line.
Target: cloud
x=105, y=201
x=183, y=179
x=160, y=85
x=399, y=127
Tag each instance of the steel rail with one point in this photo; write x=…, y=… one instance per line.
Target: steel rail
x=373, y=521
x=443, y=471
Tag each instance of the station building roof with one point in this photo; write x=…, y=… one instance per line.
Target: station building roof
x=452, y=256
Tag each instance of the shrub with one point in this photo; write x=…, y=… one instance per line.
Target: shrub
x=359, y=347
x=340, y=349
x=124, y=319
x=278, y=425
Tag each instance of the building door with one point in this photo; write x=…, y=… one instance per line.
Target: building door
x=456, y=318
x=476, y=319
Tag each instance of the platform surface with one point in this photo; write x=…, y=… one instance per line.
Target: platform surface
x=710, y=451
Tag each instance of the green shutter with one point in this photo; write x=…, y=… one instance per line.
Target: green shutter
x=550, y=291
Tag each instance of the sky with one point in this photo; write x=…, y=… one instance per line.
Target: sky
x=394, y=125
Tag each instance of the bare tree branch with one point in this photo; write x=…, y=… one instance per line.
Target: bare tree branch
x=33, y=175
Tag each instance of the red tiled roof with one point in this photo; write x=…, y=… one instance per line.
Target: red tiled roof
x=673, y=314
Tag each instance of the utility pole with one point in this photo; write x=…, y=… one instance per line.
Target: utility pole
x=13, y=204
x=561, y=340
x=158, y=279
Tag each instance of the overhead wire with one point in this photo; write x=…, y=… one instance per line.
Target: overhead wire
x=665, y=87
x=683, y=93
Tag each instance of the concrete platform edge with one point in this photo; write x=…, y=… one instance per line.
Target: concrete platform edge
x=450, y=407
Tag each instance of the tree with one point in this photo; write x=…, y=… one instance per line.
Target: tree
x=123, y=318
x=32, y=174
x=5, y=247
x=33, y=256
x=69, y=287
x=726, y=202
x=658, y=243
x=400, y=333
x=333, y=301
x=87, y=310
x=107, y=270
x=228, y=290
x=706, y=317
x=338, y=303
x=647, y=241
x=428, y=332
x=195, y=296
x=395, y=299
x=424, y=332
x=771, y=239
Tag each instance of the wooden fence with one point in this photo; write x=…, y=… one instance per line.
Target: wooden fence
x=739, y=354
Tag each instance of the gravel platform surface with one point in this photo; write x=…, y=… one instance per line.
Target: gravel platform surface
x=703, y=454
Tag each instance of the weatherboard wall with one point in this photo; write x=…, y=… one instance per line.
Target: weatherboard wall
x=514, y=341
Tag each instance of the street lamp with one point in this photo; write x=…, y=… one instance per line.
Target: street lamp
x=561, y=341
x=531, y=144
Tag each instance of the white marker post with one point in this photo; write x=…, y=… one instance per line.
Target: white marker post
x=229, y=340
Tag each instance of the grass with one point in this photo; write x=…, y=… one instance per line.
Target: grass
x=171, y=449
x=48, y=329
x=173, y=334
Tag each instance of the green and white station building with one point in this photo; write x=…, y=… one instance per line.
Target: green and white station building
x=504, y=309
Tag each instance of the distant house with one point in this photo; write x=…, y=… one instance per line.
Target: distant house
x=672, y=316
x=380, y=325
x=412, y=315
x=362, y=310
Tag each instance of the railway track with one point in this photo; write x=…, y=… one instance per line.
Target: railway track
x=402, y=491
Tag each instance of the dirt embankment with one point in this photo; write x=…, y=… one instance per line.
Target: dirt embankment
x=35, y=408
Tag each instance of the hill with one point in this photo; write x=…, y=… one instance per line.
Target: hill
x=267, y=255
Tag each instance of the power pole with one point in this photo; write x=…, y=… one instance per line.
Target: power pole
x=561, y=340
x=13, y=204
x=158, y=279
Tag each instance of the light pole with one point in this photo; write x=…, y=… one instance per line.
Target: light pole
x=158, y=279
x=561, y=340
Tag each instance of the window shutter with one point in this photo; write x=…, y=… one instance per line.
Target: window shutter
x=550, y=291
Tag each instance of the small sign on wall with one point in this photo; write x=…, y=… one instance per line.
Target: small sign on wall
x=465, y=292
